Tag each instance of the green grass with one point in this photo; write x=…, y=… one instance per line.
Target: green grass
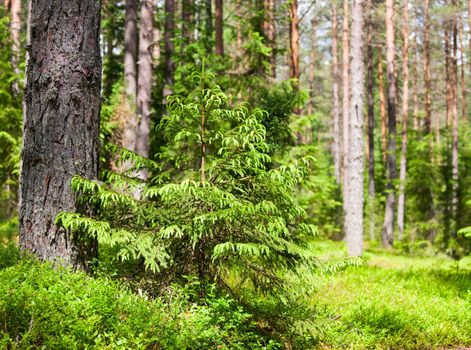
x=394, y=302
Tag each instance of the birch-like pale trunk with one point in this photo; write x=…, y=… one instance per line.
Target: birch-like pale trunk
x=335, y=97
x=354, y=209
x=144, y=89
x=405, y=119
x=345, y=98
x=387, y=234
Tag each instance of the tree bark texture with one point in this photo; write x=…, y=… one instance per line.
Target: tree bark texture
x=427, y=75
x=405, y=119
x=345, y=96
x=387, y=234
x=219, y=27
x=354, y=212
x=130, y=74
x=61, y=122
x=335, y=96
x=144, y=89
x=294, y=40
x=371, y=124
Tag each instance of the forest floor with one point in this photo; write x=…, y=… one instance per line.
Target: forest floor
x=394, y=301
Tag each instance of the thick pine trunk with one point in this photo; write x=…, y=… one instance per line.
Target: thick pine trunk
x=335, y=97
x=61, y=122
x=354, y=212
x=405, y=119
x=294, y=40
x=219, y=27
x=144, y=89
x=387, y=234
x=371, y=125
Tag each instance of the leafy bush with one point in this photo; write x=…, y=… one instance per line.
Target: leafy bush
x=42, y=307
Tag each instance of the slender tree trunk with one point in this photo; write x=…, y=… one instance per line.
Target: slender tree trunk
x=209, y=25
x=387, y=234
x=169, y=48
x=144, y=90
x=15, y=28
x=462, y=80
x=469, y=18
x=270, y=33
x=455, y=123
x=354, y=212
x=345, y=98
x=335, y=96
x=294, y=40
x=448, y=74
x=405, y=119
x=415, y=86
x=219, y=19
x=427, y=76
x=130, y=74
x=312, y=67
x=371, y=125
x=382, y=106
x=187, y=20
x=61, y=123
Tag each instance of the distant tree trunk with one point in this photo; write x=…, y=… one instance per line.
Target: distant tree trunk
x=187, y=19
x=448, y=74
x=427, y=76
x=387, y=234
x=312, y=67
x=144, y=90
x=15, y=28
x=371, y=124
x=455, y=125
x=405, y=118
x=462, y=80
x=354, y=212
x=415, y=86
x=294, y=40
x=469, y=18
x=61, y=124
x=209, y=25
x=130, y=74
x=219, y=19
x=345, y=97
x=270, y=33
x=169, y=48
x=382, y=106
x=335, y=96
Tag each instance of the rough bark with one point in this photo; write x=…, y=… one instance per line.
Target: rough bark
x=219, y=27
x=371, y=124
x=144, y=89
x=294, y=40
x=169, y=49
x=335, y=96
x=61, y=122
x=345, y=96
x=405, y=119
x=354, y=212
x=387, y=234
